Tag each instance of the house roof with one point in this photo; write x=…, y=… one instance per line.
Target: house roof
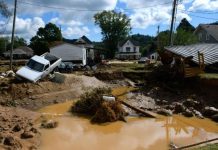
x=121, y=43
x=86, y=39
x=210, y=52
x=210, y=29
x=63, y=43
x=21, y=50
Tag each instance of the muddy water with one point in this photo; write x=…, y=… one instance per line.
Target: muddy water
x=77, y=133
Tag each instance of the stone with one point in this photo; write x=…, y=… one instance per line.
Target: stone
x=198, y=114
x=188, y=113
x=165, y=112
x=192, y=103
x=179, y=108
x=34, y=130
x=215, y=117
x=10, y=73
x=210, y=111
x=27, y=135
x=10, y=141
x=49, y=124
x=17, y=128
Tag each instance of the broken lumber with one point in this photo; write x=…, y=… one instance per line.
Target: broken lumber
x=145, y=113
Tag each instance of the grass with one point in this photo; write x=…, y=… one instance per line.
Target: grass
x=207, y=147
x=209, y=76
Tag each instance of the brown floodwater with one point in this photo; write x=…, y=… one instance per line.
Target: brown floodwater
x=77, y=133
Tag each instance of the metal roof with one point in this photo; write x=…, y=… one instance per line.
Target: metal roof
x=210, y=52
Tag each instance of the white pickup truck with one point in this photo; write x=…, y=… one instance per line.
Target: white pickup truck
x=38, y=67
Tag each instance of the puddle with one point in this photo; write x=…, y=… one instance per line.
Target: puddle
x=78, y=133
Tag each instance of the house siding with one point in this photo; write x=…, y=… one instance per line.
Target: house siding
x=202, y=37
x=69, y=52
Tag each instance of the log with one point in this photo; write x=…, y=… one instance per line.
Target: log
x=192, y=145
x=145, y=113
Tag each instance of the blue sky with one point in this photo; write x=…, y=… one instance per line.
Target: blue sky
x=76, y=16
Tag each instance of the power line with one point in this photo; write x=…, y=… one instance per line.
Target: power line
x=204, y=17
x=74, y=9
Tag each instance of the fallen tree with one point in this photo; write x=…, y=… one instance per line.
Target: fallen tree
x=91, y=103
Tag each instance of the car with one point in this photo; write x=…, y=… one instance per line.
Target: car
x=143, y=60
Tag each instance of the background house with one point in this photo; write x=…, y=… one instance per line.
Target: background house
x=70, y=52
x=128, y=49
x=207, y=33
x=152, y=55
x=83, y=42
x=20, y=53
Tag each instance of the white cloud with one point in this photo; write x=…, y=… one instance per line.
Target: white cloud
x=75, y=31
x=204, y=5
x=146, y=13
x=25, y=28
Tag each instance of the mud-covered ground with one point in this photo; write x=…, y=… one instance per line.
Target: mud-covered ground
x=17, y=129
x=164, y=96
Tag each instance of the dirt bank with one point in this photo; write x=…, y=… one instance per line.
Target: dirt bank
x=17, y=130
x=33, y=96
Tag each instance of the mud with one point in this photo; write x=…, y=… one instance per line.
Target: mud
x=76, y=132
x=34, y=96
x=17, y=129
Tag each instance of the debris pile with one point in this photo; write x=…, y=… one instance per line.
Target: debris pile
x=91, y=103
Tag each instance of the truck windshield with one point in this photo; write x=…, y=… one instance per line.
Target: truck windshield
x=32, y=64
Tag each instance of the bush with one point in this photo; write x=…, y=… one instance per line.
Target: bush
x=91, y=103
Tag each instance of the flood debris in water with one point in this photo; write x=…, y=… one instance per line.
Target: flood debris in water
x=91, y=103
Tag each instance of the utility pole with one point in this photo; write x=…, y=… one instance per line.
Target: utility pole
x=12, y=36
x=158, y=39
x=172, y=22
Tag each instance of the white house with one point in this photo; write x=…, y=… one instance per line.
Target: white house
x=128, y=49
x=70, y=52
x=152, y=56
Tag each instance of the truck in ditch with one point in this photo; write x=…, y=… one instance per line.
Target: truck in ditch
x=38, y=67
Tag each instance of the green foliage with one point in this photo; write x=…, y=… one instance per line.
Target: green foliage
x=18, y=41
x=3, y=43
x=145, y=42
x=114, y=28
x=185, y=26
x=183, y=37
x=164, y=38
x=44, y=37
x=4, y=11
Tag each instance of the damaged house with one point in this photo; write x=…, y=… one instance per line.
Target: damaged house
x=194, y=59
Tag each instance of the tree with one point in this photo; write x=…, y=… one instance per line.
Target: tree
x=185, y=26
x=3, y=44
x=4, y=11
x=114, y=28
x=18, y=41
x=183, y=37
x=44, y=37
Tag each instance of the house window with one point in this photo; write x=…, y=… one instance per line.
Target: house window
x=207, y=37
x=200, y=36
x=127, y=49
x=134, y=49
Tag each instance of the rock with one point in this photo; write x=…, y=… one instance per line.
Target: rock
x=198, y=114
x=170, y=107
x=179, y=108
x=188, y=113
x=215, y=117
x=55, y=101
x=49, y=124
x=10, y=141
x=27, y=134
x=29, y=91
x=192, y=103
x=10, y=73
x=165, y=112
x=210, y=111
x=17, y=128
x=34, y=130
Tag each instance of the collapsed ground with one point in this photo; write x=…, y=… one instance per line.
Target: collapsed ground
x=158, y=91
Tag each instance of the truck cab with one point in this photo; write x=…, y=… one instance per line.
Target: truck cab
x=38, y=67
